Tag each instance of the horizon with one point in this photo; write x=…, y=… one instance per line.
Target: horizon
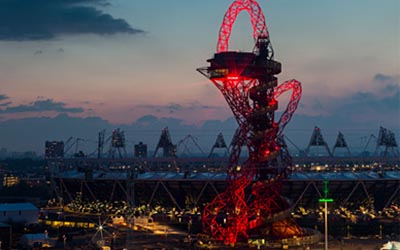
x=148, y=129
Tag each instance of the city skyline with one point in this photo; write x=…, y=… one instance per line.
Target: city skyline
x=134, y=59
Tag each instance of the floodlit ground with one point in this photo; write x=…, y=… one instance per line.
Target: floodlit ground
x=352, y=244
x=141, y=240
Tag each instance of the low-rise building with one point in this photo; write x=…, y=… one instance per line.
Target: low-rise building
x=25, y=213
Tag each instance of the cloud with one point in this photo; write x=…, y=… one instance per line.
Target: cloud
x=385, y=99
x=3, y=97
x=4, y=104
x=387, y=84
x=357, y=115
x=41, y=106
x=380, y=95
x=4, y=101
x=31, y=133
x=24, y=20
x=146, y=120
x=172, y=108
x=383, y=78
x=358, y=112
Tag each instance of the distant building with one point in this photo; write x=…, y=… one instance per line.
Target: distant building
x=10, y=180
x=25, y=213
x=54, y=149
x=36, y=241
x=141, y=150
x=30, y=154
x=3, y=153
x=33, y=180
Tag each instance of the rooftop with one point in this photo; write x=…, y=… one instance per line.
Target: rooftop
x=17, y=206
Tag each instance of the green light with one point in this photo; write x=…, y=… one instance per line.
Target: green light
x=326, y=189
x=326, y=200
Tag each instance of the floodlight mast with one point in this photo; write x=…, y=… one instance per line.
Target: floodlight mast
x=248, y=83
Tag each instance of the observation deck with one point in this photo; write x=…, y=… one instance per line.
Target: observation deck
x=232, y=65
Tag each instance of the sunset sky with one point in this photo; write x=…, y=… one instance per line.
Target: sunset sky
x=123, y=59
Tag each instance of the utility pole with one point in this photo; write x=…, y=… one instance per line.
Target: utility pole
x=326, y=200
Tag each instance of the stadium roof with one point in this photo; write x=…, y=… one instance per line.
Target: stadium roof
x=203, y=176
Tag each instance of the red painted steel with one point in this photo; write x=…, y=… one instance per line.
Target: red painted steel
x=252, y=204
x=257, y=20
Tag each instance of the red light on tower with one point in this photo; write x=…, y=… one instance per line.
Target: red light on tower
x=248, y=83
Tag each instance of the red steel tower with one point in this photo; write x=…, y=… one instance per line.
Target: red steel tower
x=251, y=206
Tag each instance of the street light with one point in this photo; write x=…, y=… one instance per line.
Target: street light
x=326, y=200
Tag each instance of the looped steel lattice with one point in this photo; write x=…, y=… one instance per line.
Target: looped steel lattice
x=252, y=203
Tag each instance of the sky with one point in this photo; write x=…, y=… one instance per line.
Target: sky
x=121, y=60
